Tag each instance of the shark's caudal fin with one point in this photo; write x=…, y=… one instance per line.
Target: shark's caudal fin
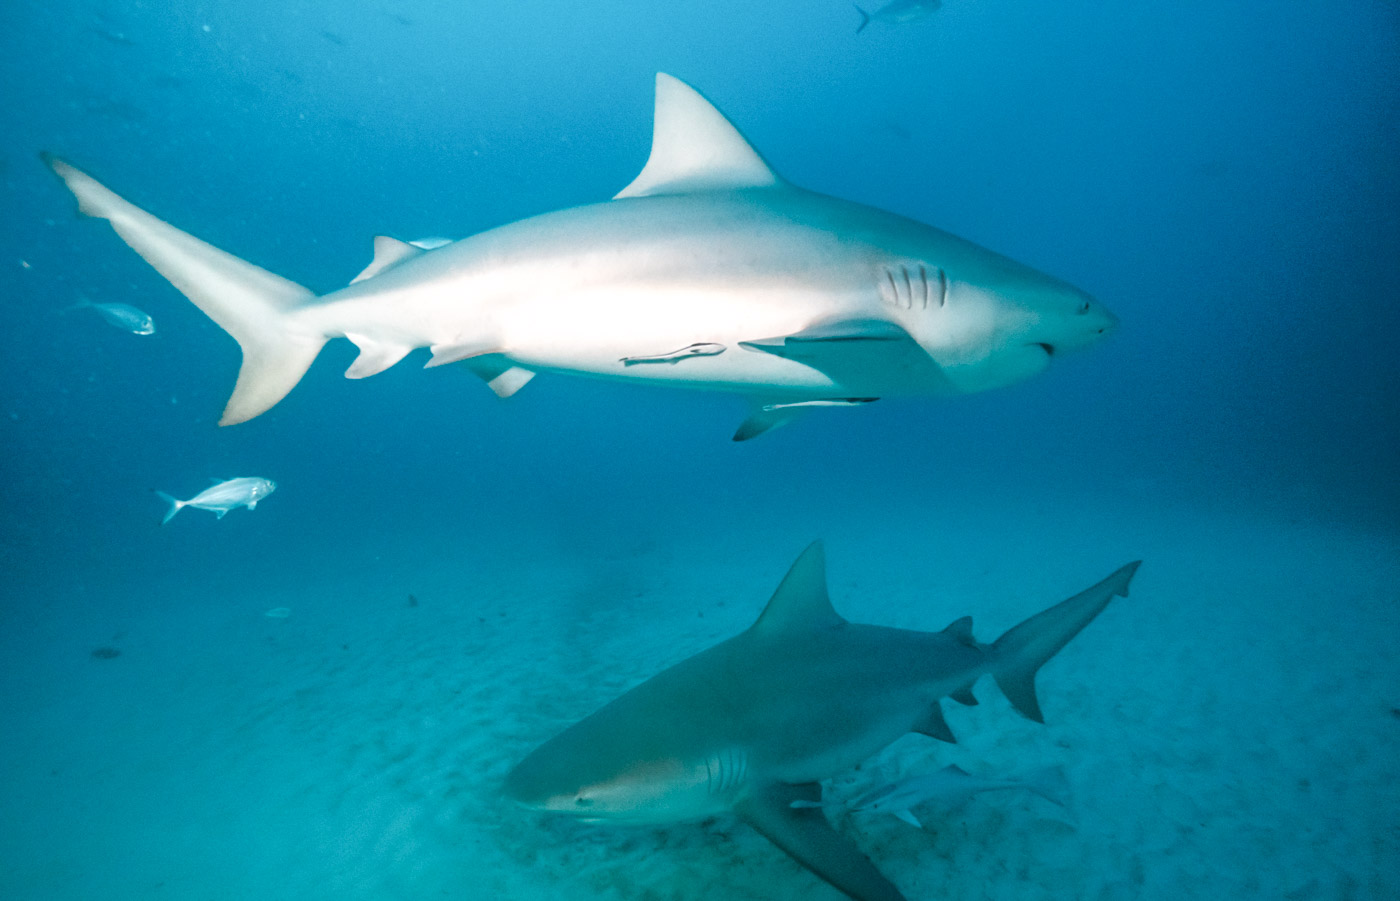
x=864, y=20
x=1019, y=653
x=249, y=303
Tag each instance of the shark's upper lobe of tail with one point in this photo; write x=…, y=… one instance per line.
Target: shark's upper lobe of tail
x=1022, y=651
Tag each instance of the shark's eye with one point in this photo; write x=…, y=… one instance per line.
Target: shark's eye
x=583, y=802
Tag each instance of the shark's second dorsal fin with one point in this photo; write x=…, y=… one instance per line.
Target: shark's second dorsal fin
x=801, y=601
x=960, y=630
x=694, y=148
x=388, y=252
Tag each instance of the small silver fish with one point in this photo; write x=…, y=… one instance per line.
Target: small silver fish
x=949, y=788
x=123, y=316
x=897, y=12
x=222, y=497
x=690, y=350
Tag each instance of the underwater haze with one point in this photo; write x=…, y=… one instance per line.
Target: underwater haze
x=321, y=697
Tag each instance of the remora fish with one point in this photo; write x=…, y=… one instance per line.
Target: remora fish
x=897, y=12
x=950, y=787
x=222, y=497
x=123, y=316
x=820, y=299
x=754, y=724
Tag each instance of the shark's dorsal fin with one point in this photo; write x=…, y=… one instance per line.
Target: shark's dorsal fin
x=388, y=252
x=694, y=148
x=801, y=601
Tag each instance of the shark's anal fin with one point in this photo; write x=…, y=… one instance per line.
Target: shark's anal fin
x=1022, y=651
x=804, y=833
x=935, y=726
x=375, y=356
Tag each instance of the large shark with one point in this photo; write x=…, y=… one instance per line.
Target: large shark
x=752, y=725
x=707, y=271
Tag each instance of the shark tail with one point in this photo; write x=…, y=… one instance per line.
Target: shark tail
x=1020, y=653
x=175, y=506
x=251, y=304
x=864, y=19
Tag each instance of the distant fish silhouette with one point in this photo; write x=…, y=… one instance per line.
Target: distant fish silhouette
x=120, y=38
x=222, y=497
x=897, y=12
x=333, y=37
x=123, y=316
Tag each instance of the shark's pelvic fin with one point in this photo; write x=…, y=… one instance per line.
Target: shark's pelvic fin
x=388, y=252
x=965, y=697
x=1019, y=653
x=694, y=148
x=765, y=418
x=804, y=833
x=499, y=374
x=801, y=601
x=249, y=303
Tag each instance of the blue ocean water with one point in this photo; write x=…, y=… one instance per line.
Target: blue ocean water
x=1222, y=176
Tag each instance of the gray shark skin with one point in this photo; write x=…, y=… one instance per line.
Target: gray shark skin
x=816, y=298
x=752, y=725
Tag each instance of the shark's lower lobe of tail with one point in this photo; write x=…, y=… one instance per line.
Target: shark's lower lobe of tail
x=1024, y=649
x=249, y=303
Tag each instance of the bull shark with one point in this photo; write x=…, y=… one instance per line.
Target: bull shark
x=752, y=725
x=798, y=297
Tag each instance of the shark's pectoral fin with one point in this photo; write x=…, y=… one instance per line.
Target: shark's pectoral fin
x=500, y=375
x=857, y=352
x=829, y=334
x=804, y=833
x=935, y=726
x=388, y=252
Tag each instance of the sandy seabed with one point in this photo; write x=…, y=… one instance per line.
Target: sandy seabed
x=1230, y=730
